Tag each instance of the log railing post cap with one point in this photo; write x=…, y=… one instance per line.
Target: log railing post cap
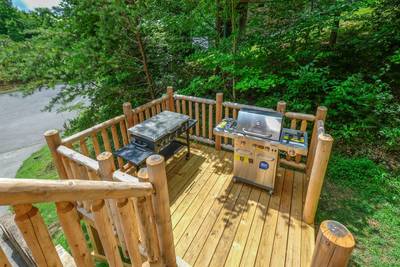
x=337, y=233
x=154, y=160
x=325, y=138
x=127, y=104
x=322, y=108
x=220, y=95
x=104, y=156
x=281, y=102
x=49, y=133
x=170, y=88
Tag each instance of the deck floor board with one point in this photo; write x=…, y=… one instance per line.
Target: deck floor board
x=220, y=223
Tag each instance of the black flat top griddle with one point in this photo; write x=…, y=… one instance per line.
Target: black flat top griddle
x=155, y=128
x=162, y=128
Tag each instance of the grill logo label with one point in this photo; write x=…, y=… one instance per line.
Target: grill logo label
x=263, y=165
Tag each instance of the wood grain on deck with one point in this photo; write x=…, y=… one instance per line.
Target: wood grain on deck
x=220, y=223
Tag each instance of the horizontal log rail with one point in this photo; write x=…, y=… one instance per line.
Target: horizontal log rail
x=150, y=104
x=238, y=106
x=195, y=99
x=128, y=222
x=144, y=112
x=27, y=191
x=300, y=116
x=78, y=158
x=97, y=128
x=22, y=193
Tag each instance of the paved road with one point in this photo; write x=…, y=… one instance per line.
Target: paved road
x=22, y=124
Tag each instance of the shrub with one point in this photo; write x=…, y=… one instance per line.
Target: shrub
x=359, y=109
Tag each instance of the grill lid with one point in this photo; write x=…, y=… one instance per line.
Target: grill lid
x=260, y=123
x=155, y=128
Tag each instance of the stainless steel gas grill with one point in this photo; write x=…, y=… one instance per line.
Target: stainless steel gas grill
x=157, y=135
x=260, y=123
x=258, y=137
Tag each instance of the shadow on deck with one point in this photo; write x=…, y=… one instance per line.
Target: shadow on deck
x=217, y=222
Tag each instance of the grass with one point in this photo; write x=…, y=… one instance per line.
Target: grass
x=40, y=165
x=364, y=197
x=357, y=192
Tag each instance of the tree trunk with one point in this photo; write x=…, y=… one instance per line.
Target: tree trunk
x=334, y=31
x=242, y=9
x=135, y=28
x=149, y=78
x=218, y=22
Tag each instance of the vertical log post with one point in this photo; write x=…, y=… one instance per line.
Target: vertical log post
x=281, y=107
x=106, y=233
x=94, y=238
x=36, y=235
x=130, y=230
x=218, y=118
x=333, y=246
x=170, y=93
x=146, y=219
x=127, y=108
x=70, y=222
x=158, y=177
x=53, y=140
x=106, y=169
x=322, y=153
x=320, y=115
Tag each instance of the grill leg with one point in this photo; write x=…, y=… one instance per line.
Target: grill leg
x=188, y=144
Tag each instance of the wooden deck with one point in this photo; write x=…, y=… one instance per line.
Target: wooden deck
x=220, y=223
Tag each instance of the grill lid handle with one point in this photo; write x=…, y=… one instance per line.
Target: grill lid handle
x=256, y=134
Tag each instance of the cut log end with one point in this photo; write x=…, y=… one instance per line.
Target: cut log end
x=104, y=156
x=50, y=132
x=154, y=160
x=338, y=234
x=334, y=245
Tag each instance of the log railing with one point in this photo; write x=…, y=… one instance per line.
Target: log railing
x=144, y=112
x=203, y=111
x=22, y=194
x=81, y=156
x=107, y=136
x=112, y=134
x=150, y=227
x=209, y=113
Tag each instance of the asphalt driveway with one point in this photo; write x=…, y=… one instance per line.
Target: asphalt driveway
x=22, y=124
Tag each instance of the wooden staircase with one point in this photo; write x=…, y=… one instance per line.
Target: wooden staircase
x=119, y=215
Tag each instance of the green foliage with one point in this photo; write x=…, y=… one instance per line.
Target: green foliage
x=367, y=106
x=10, y=21
x=365, y=198
x=290, y=54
